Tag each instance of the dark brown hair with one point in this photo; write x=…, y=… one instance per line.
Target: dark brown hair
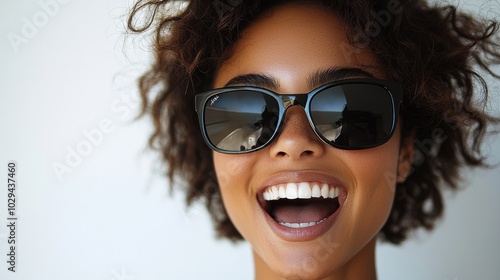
x=434, y=52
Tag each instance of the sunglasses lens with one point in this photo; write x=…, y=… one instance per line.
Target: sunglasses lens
x=353, y=116
x=240, y=120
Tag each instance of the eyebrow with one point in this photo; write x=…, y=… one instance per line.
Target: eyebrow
x=322, y=77
x=258, y=80
x=316, y=79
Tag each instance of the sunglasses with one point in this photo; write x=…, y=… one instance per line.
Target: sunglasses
x=351, y=114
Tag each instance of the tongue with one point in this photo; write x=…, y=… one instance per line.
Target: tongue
x=297, y=211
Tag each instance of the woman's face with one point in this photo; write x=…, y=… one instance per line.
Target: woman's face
x=291, y=44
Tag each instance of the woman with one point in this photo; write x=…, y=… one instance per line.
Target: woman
x=310, y=128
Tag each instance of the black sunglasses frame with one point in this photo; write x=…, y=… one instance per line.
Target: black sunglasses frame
x=285, y=101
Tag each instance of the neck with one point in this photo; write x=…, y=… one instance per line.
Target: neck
x=360, y=266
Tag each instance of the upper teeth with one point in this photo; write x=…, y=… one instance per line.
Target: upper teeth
x=303, y=190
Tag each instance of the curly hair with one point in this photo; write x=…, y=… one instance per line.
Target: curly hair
x=434, y=52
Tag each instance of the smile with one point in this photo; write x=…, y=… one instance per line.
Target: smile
x=300, y=205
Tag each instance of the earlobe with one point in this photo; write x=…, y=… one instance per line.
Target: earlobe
x=405, y=159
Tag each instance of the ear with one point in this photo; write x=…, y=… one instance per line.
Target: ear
x=405, y=160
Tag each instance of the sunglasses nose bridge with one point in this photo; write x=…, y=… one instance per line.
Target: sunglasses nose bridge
x=296, y=100
x=291, y=100
x=287, y=101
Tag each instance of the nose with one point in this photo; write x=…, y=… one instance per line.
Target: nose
x=296, y=140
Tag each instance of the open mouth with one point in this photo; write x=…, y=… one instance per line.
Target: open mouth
x=300, y=205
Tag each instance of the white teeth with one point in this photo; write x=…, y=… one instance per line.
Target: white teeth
x=291, y=191
x=275, y=191
x=316, y=192
x=332, y=193
x=300, y=225
x=325, y=191
x=302, y=190
x=282, y=192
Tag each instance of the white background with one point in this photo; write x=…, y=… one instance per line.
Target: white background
x=111, y=217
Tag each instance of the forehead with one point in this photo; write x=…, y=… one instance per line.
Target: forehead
x=290, y=43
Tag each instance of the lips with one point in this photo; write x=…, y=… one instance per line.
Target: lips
x=301, y=210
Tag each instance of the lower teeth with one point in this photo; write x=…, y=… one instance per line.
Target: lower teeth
x=300, y=225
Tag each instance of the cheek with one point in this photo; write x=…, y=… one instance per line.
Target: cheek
x=234, y=174
x=226, y=167
x=371, y=198
x=375, y=170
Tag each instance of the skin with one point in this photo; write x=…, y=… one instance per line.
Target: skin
x=291, y=43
